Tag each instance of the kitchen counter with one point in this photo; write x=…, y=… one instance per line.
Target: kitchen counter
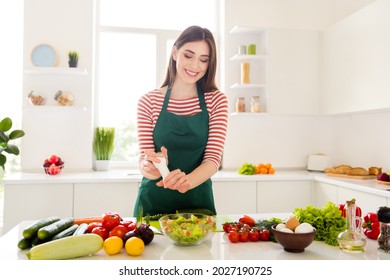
x=131, y=176
x=217, y=248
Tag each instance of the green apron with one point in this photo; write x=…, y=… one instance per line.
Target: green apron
x=185, y=137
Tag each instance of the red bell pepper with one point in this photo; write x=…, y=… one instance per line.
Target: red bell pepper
x=371, y=225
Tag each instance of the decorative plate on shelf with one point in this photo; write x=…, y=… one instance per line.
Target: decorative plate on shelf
x=44, y=56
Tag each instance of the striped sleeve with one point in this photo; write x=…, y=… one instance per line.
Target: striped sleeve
x=217, y=105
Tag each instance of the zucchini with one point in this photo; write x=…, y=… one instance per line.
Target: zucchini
x=31, y=230
x=49, y=231
x=69, y=247
x=66, y=232
x=81, y=229
x=24, y=243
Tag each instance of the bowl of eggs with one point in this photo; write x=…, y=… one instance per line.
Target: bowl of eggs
x=293, y=235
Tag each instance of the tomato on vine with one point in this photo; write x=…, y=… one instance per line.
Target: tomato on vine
x=233, y=236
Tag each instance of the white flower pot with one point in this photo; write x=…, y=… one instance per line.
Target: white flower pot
x=102, y=165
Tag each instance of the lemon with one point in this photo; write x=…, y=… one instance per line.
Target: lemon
x=113, y=245
x=134, y=246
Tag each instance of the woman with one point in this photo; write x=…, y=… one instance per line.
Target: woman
x=186, y=122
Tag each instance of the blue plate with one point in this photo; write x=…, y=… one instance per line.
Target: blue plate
x=44, y=56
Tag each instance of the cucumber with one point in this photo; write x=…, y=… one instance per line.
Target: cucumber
x=31, y=230
x=81, y=229
x=24, y=243
x=66, y=232
x=36, y=241
x=49, y=231
x=69, y=247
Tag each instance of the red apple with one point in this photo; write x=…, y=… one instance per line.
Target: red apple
x=383, y=177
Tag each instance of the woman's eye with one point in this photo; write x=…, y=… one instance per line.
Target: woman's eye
x=204, y=60
x=187, y=56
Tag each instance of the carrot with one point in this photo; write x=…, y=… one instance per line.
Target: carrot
x=87, y=220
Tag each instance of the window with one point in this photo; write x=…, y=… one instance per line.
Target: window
x=134, y=44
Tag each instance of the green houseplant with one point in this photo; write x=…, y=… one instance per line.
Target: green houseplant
x=73, y=58
x=103, y=146
x=6, y=135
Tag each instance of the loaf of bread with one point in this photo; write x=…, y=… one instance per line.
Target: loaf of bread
x=342, y=169
x=374, y=170
x=358, y=171
x=329, y=170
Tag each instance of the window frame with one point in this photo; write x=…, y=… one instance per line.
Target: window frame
x=162, y=37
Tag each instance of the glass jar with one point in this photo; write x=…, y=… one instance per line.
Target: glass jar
x=240, y=105
x=384, y=238
x=245, y=69
x=255, y=104
x=352, y=239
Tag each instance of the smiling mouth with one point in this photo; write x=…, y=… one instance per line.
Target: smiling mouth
x=191, y=73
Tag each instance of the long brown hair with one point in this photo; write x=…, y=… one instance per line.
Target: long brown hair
x=193, y=34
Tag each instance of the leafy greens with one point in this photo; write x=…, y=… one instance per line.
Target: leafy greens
x=327, y=221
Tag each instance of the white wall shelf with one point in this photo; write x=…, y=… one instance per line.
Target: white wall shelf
x=247, y=86
x=247, y=114
x=55, y=71
x=258, y=86
x=248, y=57
x=54, y=108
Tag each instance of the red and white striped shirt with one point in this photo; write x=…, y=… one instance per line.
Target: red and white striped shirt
x=149, y=107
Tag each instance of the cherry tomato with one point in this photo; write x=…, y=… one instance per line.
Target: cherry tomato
x=233, y=236
x=119, y=230
x=131, y=226
x=126, y=223
x=265, y=235
x=247, y=220
x=254, y=234
x=110, y=220
x=243, y=235
x=92, y=225
x=103, y=232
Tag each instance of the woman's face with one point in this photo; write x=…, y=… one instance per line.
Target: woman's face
x=192, y=61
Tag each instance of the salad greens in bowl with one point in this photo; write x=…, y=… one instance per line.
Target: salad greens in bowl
x=187, y=229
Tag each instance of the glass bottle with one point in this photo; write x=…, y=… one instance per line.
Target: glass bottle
x=255, y=104
x=352, y=239
x=240, y=104
x=384, y=237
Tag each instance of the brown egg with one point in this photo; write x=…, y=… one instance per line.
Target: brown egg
x=292, y=223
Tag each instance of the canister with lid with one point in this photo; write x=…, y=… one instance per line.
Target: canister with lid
x=240, y=104
x=255, y=104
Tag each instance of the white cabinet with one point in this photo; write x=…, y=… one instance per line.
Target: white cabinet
x=91, y=199
x=36, y=201
x=323, y=193
x=235, y=197
x=258, y=65
x=366, y=201
x=283, y=196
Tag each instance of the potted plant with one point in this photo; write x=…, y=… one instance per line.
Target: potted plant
x=73, y=58
x=6, y=135
x=103, y=146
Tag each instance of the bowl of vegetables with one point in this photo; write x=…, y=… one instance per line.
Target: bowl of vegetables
x=187, y=229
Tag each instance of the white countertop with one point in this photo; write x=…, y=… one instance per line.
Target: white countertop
x=217, y=248
x=367, y=185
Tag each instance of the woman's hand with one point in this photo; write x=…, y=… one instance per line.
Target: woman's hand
x=147, y=164
x=176, y=180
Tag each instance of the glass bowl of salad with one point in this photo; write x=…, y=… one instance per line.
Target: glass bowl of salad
x=187, y=229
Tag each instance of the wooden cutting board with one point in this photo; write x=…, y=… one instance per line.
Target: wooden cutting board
x=352, y=176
